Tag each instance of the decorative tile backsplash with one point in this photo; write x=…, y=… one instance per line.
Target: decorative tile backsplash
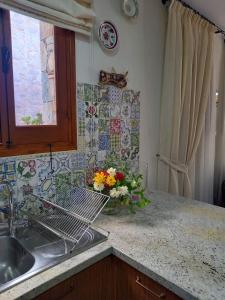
x=108, y=125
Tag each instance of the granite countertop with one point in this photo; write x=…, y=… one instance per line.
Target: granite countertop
x=180, y=243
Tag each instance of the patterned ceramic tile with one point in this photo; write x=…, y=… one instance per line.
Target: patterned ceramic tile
x=131, y=153
x=136, y=98
x=89, y=176
x=103, y=126
x=104, y=111
x=77, y=161
x=63, y=180
x=81, y=143
x=115, y=126
x=26, y=169
x=125, y=153
x=79, y=178
x=91, y=160
x=108, y=126
x=135, y=112
x=126, y=110
x=125, y=125
x=104, y=94
x=102, y=154
x=81, y=127
x=114, y=110
x=114, y=94
x=126, y=138
x=27, y=181
x=91, y=109
x=91, y=143
x=91, y=126
x=81, y=106
x=127, y=96
x=134, y=154
x=135, y=139
x=91, y=92
x=104, y=142
x=61, y=163
x=8, y=170
x=47, y=186
x=115, y=142
x=31, y=205
x=134, y=125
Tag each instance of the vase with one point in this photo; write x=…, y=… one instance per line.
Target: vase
x=112, y=207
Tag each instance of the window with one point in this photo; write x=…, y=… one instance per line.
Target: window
x=37, y=86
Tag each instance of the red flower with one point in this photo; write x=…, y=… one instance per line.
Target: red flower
x=106, y=173
x=120, y=176
x=107, y=186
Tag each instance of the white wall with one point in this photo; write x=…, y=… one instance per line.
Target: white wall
x=141, y=54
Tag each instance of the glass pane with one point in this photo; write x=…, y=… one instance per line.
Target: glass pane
x=33, y=60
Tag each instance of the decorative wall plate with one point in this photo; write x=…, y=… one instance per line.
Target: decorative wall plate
x=130, y=8
x=108, y=36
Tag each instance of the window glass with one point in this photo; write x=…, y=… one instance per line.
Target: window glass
x=33, y=61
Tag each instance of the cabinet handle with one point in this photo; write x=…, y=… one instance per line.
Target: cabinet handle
x=161, y=296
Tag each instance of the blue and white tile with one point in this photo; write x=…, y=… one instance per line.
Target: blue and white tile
x=77, y=161
x=114, y=94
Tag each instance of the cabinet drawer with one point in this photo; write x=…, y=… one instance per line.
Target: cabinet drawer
x=134, y=285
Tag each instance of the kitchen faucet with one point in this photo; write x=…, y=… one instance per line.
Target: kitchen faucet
x=10, y=210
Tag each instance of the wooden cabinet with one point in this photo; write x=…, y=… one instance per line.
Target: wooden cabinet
x=131, y=284
x=108, y=279
x=93, y=283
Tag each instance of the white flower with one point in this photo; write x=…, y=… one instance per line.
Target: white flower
x=123, y=190
x=111, y=171
x=98, y=187
x=114, y=193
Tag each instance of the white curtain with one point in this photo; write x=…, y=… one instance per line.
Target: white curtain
x=185, y=96
x=202, y=169
x=220, y=130
x=76, y=15
x=208, y=170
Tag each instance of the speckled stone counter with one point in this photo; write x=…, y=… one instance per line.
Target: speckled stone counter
x=180, y=243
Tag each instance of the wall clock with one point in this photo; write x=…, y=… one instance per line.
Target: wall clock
x=130, y=8
x=108, y=36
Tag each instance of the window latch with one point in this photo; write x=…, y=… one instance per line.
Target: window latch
x=5, y=59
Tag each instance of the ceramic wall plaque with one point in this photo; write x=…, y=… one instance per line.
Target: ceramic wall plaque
x=130, y=8
x=108, y=36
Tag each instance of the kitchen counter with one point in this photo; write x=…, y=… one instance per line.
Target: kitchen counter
x=178, y=242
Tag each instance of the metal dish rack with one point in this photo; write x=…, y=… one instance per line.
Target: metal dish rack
x=71, y=213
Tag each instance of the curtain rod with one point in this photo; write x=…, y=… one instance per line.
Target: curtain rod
x=219, y=30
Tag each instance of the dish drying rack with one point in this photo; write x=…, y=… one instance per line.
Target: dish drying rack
x=70, y=214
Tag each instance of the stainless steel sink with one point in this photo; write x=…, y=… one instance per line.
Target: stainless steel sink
x=15, y=260
x=36, y=249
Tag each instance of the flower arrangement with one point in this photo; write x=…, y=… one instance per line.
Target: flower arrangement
x=124, y=188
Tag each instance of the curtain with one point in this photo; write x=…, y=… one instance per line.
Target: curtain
x=185, y=96
x=202, y=171
x=219, y=177
x=76, y=15
x=209, y=167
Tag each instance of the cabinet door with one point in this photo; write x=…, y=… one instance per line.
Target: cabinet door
x=93, y=283
x=131, y=284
